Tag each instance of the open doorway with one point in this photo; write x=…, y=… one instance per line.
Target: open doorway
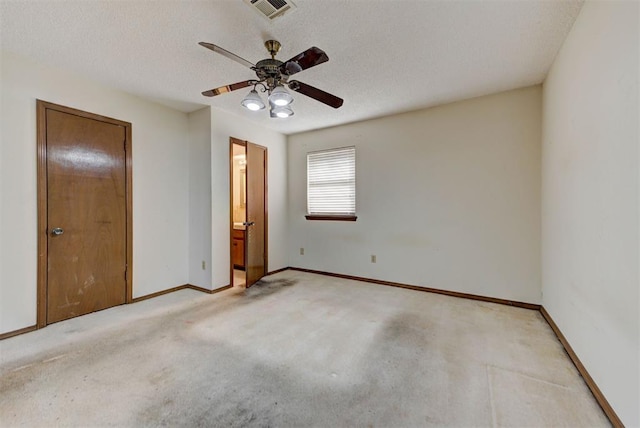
x=248, y=190
x=239, y=212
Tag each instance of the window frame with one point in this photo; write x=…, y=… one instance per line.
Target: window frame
x=331, y=217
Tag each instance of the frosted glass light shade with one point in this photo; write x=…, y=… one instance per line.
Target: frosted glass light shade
x=280, y=97
x=281, y=112
x=253, y=101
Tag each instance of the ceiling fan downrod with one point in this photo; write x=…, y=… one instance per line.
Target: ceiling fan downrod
x=273, y=46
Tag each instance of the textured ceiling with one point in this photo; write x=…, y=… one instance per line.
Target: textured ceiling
x=385, y=56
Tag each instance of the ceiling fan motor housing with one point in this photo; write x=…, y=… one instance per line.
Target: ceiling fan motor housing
x=268, y=68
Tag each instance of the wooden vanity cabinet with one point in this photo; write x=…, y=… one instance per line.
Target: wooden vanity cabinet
x=238, y=249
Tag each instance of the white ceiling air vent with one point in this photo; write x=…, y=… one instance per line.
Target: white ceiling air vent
x=271, y=8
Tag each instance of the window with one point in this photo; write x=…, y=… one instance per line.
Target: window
x=331, y=184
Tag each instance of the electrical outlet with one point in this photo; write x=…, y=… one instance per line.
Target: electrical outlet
x=301, y=251
x=373, y=258
x=204, y=265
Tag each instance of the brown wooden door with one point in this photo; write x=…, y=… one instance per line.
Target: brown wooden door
x=255, y=236
x=86, y=200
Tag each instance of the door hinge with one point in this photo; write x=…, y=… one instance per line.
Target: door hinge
x=124, y=144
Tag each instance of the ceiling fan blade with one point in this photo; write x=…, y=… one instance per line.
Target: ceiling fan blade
x=226, y=53
x=228, y=88
x=315, y=93
x=307, y=59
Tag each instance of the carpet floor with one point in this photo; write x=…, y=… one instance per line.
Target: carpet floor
x=297, y=349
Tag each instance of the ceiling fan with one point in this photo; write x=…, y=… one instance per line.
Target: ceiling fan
x=273, y=75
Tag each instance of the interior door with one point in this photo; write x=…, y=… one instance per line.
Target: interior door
x=255, y=245
x=86, y=215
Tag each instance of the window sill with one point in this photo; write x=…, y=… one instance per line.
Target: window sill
x=332, y=217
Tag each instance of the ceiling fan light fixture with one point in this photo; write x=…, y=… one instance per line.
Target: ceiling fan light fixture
x=272, y=77
x=253, y=101
x=280, y=97
x=281, y=111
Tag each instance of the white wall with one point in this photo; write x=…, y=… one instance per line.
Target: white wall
x=590, y=199
x=200, y=198
x=160, y=182
x=447, y=197
x=223, y=126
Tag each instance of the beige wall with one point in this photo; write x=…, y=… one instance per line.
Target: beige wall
x=200, y=198
x=590, y=188
x=447, y=197
x=160, y=182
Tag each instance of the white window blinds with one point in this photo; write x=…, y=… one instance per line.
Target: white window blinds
x=331, y=182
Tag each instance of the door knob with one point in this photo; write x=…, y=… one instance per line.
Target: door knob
x=248, y=223
x=57, y=231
